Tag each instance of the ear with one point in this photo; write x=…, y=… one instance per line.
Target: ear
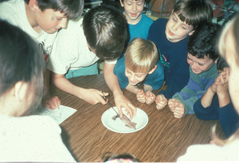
x=153, y=69
x=33, y=4
x=191, y=33
x=121, y=3
x=20, y=90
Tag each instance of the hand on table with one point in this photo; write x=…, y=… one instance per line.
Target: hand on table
x=149, y=97
x=51, y=102
x=140, y=96
x=161, y=101
x=122, y=102
x=176, y=107
x=93, y=96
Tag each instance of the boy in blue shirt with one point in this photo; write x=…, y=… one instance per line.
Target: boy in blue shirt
x=138, y=23
x=171, y=38
x=216, y=104
x=202, y=57
x=140, y=64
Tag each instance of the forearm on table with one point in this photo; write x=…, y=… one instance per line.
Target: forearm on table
x=132, y=89
x=64, y=84
x=207, y=98
x=147, y=88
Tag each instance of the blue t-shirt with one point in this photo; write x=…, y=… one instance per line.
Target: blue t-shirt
x=175, y=54
x=155, y=80
x=141, y=29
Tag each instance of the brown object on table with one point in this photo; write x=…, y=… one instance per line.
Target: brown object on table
x=164, y=139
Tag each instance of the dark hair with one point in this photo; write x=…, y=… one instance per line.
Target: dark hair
x=72, y=8
x=193, y=12
x=203, y=41
x=221, y=64
x=109, y=156
x=105, y=31
x=20, y=59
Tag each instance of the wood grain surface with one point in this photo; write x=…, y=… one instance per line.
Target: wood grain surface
x=164, y=139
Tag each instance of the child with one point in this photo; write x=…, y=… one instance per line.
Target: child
x=109, y=157
x=41, y=19
x=228, y=48
x=171, y=38
x=202, y=57
x=100, y=34
x=216, y=103
x=138, y=23
x=25, y=138
x=140, y=64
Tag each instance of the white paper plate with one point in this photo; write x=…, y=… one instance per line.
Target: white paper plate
x=118, y=126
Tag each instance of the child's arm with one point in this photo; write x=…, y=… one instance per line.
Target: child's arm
x=161, y=101
x=113, y=83
x=91, y=96
x=48, y=101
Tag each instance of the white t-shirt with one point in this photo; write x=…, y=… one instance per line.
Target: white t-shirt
x=211, y=153
x=70, y=50
x=14, y=12
x=31, y=139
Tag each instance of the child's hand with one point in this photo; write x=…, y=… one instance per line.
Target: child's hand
x=149, y=97
x=51, y=102
x=141, y=96
x=222, y=89
x=93, y=96
x=161, y=101
x=176, y=107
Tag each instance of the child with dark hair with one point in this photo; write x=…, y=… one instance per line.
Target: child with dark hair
x=171, y=38
x=202, y=57
x=216, y=104
x=25, y=138
x=101, y=33
x=42, y=19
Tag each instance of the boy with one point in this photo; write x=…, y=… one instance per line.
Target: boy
x=202, y=57
x=100, y=34
x=140, y=63
x=171, y=38
x=216, y=103
x=41, y=20
x=138, y=23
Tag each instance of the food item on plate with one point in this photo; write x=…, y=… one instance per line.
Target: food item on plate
x=127, y=121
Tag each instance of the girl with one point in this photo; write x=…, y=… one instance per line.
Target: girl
x=24, y=138
x=229, y=49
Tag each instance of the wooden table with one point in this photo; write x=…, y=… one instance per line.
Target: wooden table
x=164, y=138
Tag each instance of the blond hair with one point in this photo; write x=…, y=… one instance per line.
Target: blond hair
x=141, y=55
x=232, y=27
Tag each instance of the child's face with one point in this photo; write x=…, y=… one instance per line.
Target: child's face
x=134, y=78
x=133, y=10
x=199, y=65
x=50, y=21
x=230, y=56
x=177, y=30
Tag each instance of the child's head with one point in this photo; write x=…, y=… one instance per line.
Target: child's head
x=105, y=31
x=21, y=70
x=52, y=15
x=202, y=53
x=133, y=10
x=121, y=158
x=229, y=49
x=185, y=17
x=141, y=59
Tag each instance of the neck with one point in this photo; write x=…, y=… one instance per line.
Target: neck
x=31, y=19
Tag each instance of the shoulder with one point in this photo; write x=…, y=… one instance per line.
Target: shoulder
x=147, y=19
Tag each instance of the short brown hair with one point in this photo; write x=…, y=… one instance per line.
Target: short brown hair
x=141, y=55
x=193, y=12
